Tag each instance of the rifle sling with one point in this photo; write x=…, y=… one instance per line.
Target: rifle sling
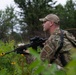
x=59, y=48
x=62, y=58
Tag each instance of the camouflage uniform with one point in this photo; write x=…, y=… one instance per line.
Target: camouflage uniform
x=53, y=43
x=29, y=58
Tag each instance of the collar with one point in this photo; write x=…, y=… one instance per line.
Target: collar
x=57, y=31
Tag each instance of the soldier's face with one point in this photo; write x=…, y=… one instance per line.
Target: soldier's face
x=46, y=26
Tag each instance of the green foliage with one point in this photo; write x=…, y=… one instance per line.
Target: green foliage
x=15, y=64
x=70, y=12
x=67, y=14
x=10, y=63
x=71, y=67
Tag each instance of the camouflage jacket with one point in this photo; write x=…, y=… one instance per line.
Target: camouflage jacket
x=53, y=43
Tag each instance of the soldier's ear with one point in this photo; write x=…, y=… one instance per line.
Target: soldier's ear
x=51, y=23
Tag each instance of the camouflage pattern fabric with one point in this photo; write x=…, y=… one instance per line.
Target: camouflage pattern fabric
x=29, y=58
x=53, y=43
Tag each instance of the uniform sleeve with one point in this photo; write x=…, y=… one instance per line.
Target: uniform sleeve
x=49, y=50
x=46, y=51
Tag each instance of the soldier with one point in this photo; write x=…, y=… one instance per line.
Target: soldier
x=57, y=48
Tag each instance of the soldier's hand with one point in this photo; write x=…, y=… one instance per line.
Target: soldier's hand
x=20, y=44
x=26, y=51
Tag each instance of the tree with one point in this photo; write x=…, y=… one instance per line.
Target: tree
x=60, y=11
x=67, y=14
x=31, y=11
x=70, y=14
x=8, y=20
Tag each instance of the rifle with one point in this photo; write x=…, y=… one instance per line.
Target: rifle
x=34, y=43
